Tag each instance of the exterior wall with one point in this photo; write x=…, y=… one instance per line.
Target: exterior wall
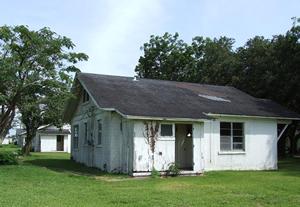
x=260, y=146
x=164, y=153
x=115, y=152
x=67, y=143
x=48, y=143
x=124, y=147
x=142, y=153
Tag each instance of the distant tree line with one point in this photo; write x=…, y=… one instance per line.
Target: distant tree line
x=264, y=68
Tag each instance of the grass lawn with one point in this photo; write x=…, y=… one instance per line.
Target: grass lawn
x=9, y=147
x=51, y=179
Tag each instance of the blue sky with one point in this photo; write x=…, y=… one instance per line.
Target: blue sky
x=111, y=32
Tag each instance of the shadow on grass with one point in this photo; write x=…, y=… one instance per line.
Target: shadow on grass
x=289, y=166
x=68, y=166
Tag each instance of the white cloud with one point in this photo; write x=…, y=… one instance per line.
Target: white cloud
x=114, y=45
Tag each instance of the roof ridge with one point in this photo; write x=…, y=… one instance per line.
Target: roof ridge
x=159, y=80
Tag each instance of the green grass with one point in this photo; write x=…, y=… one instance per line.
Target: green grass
x=51, y=179
x=9, y=147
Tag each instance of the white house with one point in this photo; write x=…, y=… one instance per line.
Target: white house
x=130, y=125
x=49, y=138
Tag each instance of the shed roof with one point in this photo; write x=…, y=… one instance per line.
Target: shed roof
x=46, y=129
x=171, y=99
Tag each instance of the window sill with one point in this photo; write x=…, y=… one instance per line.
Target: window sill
x=232, y=153
x=166, y=138
x=99, y=146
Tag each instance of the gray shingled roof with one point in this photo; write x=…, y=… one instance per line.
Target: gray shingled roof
x=54, y=131
x=170, y=99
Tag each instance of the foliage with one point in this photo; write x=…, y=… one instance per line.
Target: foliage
x=265, y=68
x=8, y=157
x=205, y=60
x=173, y=170
x=155, y=173
x=36, y=70
x=54, y=175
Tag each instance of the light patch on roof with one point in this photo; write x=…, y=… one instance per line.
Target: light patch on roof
x=214, y=98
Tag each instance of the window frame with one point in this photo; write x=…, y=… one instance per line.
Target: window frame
x=99, y=121
x=232, y=136
x=160, y=130
x=76, y=138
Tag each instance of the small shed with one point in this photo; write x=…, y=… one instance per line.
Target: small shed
x=49, y=138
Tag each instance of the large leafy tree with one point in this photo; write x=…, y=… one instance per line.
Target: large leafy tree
x=204, y=61
x=215, y=61
x=43, y=105
x=33, y=64
x=166, y=57
x=270, y=68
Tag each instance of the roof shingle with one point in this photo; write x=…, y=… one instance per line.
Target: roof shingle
x=171, y=99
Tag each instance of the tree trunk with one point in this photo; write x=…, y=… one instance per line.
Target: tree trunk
x=27, y=147
x=28, y=141
x=5, y=122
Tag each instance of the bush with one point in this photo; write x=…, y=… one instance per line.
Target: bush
x=8, y=158
x=155, y=173
x=173, y=170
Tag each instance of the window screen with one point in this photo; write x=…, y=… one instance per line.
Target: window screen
x=75, y=136
x=231, y=136
x=166, y=130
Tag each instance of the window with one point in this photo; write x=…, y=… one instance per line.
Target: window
x=121, y=126
x=166, y=130
x=85, y=133
x=75, y=136
x=99, y=135
x=232, y=136
x=86, y=96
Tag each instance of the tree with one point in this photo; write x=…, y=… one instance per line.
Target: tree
x=255, y=62
x=41, y=106
x=215, y=61
x=204, y=61
x=269, y=68
x=166, y=57
x=31, y=61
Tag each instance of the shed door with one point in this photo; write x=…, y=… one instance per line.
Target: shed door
x=60, y=143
